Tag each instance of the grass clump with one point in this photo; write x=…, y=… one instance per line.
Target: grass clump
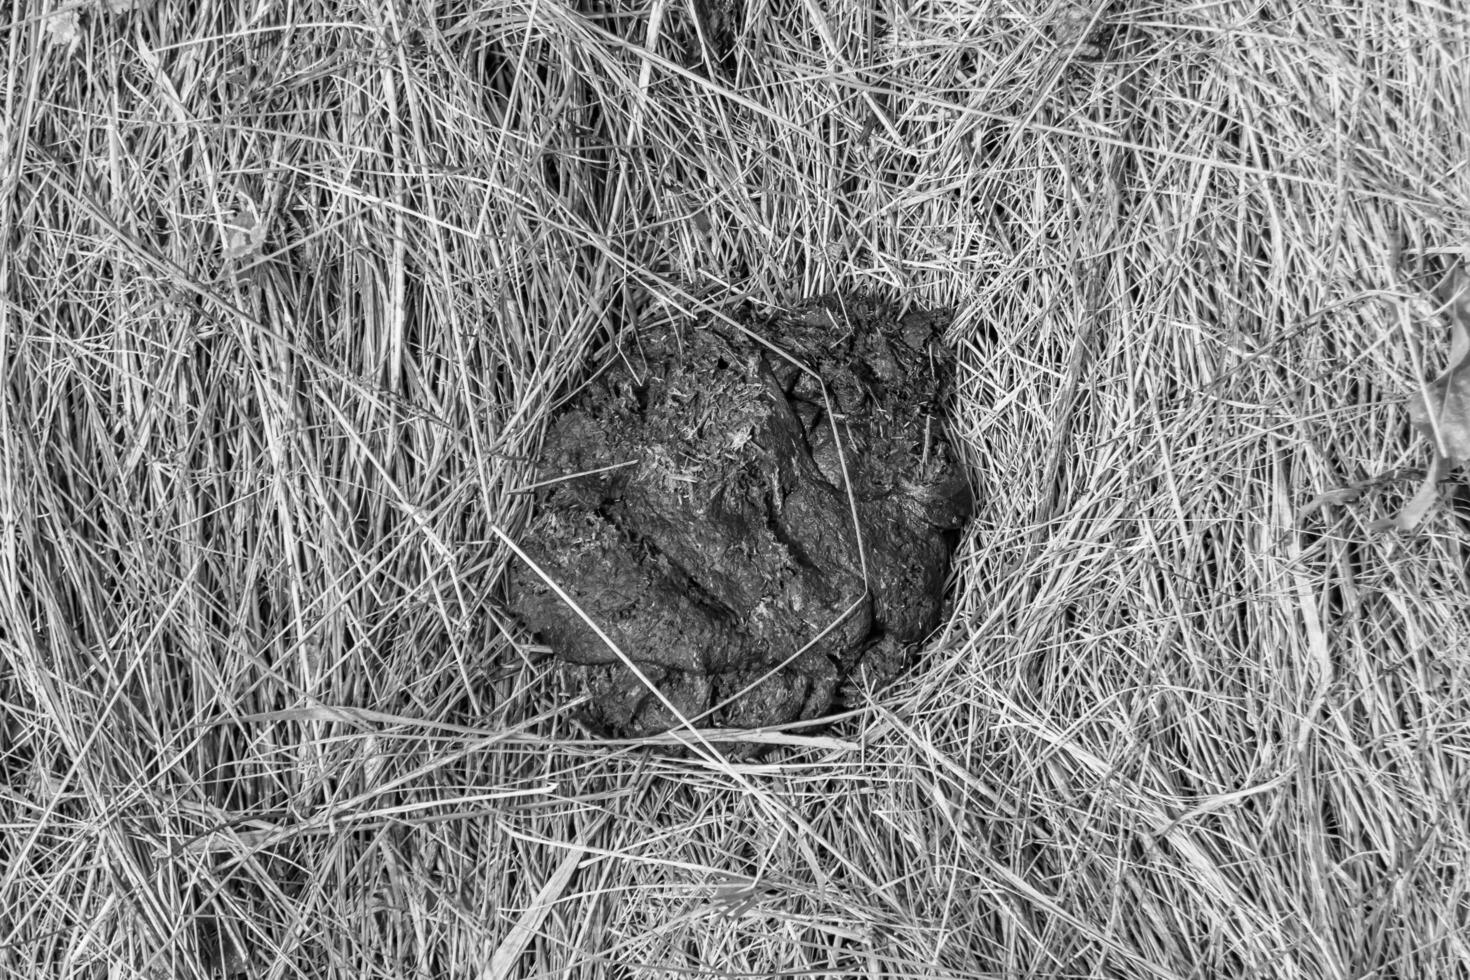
x=291, y=290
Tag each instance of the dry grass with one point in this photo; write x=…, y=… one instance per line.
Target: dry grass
x=262, y=715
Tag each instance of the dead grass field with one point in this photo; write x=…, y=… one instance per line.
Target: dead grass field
x=291, y=287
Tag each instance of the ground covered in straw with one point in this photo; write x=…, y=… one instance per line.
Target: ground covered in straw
x=290, y=290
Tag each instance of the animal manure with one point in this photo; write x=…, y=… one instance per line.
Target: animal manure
x=752, y=543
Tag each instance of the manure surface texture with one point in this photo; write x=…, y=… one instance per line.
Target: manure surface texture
x=719, y=538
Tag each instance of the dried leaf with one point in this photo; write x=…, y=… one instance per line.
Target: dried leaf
x=244, y=234
x=507, y=955
x=65, y=27
x=1340, y=495
x=1444, y=418
x=1442, y=411
x=1424, y=498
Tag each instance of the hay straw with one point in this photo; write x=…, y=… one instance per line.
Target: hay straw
x=261, y=710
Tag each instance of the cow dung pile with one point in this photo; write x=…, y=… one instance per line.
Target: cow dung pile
x=714, y=513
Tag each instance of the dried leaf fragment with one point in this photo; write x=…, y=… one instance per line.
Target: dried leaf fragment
x=1442, y=410
x=244, y=234
x=65, y=28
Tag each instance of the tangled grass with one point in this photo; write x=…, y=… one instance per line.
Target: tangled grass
x=290, y=289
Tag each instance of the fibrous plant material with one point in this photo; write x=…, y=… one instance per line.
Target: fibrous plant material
x=1441, y=412
x=748, y=537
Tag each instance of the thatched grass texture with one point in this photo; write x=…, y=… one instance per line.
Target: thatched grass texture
x=291, y=289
